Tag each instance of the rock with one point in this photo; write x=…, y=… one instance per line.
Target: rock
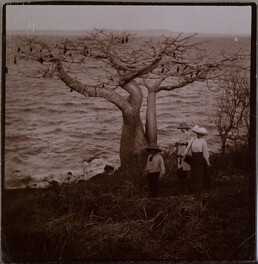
x=109, y=168
x=96, y=165
x=93, y=166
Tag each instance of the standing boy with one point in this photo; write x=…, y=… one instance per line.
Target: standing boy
x=155, y=168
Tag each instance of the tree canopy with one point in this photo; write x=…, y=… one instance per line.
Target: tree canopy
x=97, y=64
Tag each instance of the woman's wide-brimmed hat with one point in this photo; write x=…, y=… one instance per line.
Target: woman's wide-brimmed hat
x=200, y=130
x=183, y=125
x=153, y=147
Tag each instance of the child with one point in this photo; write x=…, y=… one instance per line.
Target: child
x=155, y=168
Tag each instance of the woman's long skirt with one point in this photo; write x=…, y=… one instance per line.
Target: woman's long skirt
x=199, y=172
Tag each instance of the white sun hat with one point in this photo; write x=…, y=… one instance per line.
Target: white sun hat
x=200, y=130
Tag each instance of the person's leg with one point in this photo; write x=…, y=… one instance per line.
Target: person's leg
x=149, y=182
x=153, y=183
x=185, y=181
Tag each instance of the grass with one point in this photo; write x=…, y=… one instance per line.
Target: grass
x=110, y=218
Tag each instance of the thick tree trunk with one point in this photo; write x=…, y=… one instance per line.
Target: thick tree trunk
x=133, y=142
x=151, y=119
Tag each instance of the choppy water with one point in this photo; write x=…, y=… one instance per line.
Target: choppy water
x=50, y=131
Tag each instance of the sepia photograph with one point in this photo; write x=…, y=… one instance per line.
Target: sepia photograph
x=128, y=132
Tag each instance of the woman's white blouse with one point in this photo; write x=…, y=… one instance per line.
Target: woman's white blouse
x=199, y=145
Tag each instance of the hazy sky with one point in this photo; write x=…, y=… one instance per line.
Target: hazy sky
x=201, y=19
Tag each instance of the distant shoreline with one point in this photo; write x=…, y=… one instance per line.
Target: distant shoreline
x=147, y=33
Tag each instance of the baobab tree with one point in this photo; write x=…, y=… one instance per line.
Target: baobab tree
x=106, y=65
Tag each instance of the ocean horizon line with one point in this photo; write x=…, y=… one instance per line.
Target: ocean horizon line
x=145, y=32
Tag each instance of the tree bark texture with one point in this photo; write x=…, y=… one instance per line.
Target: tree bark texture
x=132, y=142
x=151, y=119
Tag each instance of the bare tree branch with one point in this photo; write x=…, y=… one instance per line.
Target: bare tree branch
x=92, y=91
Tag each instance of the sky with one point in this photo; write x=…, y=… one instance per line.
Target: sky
x=200, y=19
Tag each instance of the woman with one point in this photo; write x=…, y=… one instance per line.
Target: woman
x=200, y=160
x=183, y=169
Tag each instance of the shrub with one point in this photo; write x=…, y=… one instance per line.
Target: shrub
x=236, y=160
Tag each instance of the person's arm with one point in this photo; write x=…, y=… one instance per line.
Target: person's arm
x=147, y=164
x=162, y=167
x=206, y=152
x=189, y=145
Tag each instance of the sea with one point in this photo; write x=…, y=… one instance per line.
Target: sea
x=50, y=131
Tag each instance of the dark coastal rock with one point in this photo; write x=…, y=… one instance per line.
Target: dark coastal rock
x=109, y=168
